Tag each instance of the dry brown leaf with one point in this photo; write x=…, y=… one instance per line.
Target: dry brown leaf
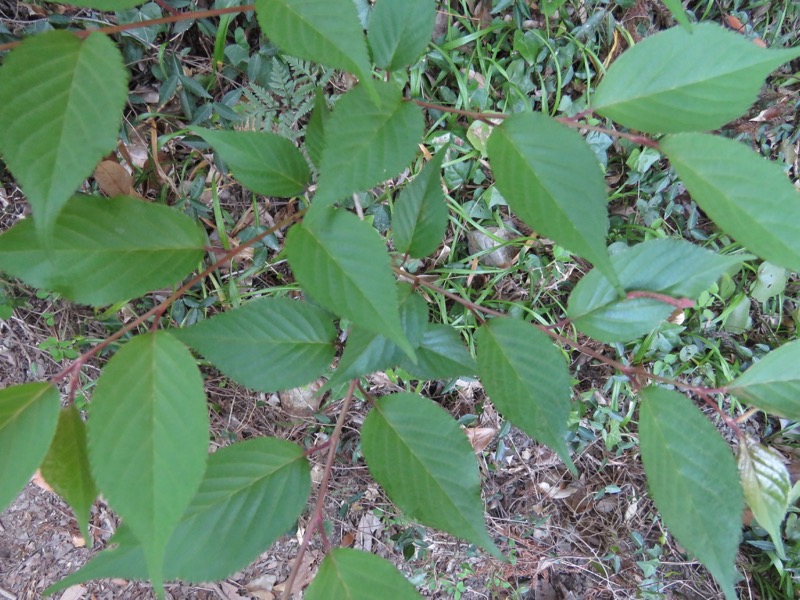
x=480, y=437
x=39, y=481
x=114, y=180
x=75, y=592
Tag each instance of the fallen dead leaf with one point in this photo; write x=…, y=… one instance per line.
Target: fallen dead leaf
x=74, y=592
x=480, y=437
x=114, y=180
x=39, y=481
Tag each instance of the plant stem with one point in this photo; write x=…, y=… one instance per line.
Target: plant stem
x=174, y=18
x=316, y=516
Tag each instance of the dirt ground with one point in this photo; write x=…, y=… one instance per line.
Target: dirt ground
x=568, y=538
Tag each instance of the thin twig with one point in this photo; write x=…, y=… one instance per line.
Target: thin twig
x=316, y=516
x=187, y=16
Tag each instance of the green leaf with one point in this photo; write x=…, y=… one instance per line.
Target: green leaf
x=678, y=13
x=399, y=31
x=441, y=354
x=343, y=264
x=66, y=467
x=148, y=439
x=693, y=479
x=327, y=32
x=773, y=383
x=420, y=215
x=767, y=487
x=366, y=142
x=748, y=196
x=367, y=352
x=102, y=251
x=61, y=101
x=28, y=419
x=673, y=268
x=680, y=80
x=252, y=493
x=268, y=344
x=771, y=281
x=106, y=5
x=527, y=379
x=348, y=574
x=263, y=162
x=419, y=455
x=315, y=130
x=535, y=160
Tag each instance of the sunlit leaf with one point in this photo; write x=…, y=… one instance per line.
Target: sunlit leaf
x=66, y=467
x=399, y=30
x=527, y=379
x=420, y=456
x=105, y=250
x=767, y=487
x=693, y=479
x=748, y=196
x=680, y=80
x=263, y=162
x=366, y=142
x=343, y=264
x=773, y=383
x=28, y=419
x=268, y=344
x=674, y=268
x=61, y=101
x=419, y=216
x=348, y=574
x=535, y=160
x=148, y=439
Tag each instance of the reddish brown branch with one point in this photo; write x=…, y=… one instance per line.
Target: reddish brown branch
x=174, y=18
x=676, y=302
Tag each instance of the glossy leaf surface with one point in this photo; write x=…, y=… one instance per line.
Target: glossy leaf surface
x=399, y=30
x=148, y=438
x=348, y=574
x=748, y=196
x=773, y=383
x=527, y=379
x=366, y=142
x=251, y=494
x=105, y=250
x=61, y=101
x=263, y=162
x=679, y=80
x=268, y=344
x=343, y=264
x=767, y=487
x=420, y=456
x=535, y=160
x=675, y=268
x=66, y=467
x=419, y=218
x=28, y=419
x=693, y=479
